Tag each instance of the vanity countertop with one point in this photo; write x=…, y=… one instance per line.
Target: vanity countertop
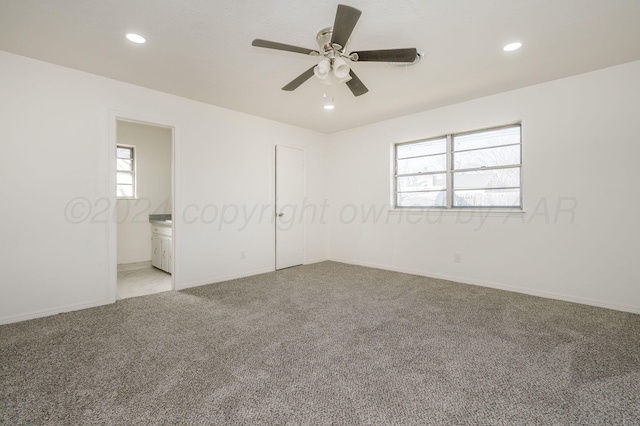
x=161, y=222
x=160, y=219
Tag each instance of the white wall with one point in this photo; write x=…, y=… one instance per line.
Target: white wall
x=54, y=131
x=580, y=144
x=153, y=194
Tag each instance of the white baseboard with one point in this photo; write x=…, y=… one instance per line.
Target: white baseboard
x=223, y=278
x=529, y=291
x=86, y=305
x=316, y=260
x=240, y=275
x=52, y=311
x=134, y=266
x=532, y=292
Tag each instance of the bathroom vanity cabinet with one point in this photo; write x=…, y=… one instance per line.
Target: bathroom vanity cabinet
x=162, y=246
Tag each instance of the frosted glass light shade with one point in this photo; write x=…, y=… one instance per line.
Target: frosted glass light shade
x=340, y=68
x=322, y=69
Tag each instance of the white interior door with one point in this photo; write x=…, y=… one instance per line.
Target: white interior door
x=289, y=202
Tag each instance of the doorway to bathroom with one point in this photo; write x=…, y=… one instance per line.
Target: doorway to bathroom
x=143, y=214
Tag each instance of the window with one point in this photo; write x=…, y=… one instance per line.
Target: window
x=480, y=169
x=125, y=172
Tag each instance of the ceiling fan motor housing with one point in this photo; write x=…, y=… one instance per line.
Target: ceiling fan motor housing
x=324, y=40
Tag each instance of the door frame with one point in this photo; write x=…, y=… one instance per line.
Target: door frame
x=274, y=197
x=112, y=226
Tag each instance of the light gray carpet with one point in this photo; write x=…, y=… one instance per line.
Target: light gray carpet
x=325, y=344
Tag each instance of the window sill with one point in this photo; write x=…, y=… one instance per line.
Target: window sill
x=459, y=211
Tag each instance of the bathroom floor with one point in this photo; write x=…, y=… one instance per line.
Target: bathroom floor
x=143, y=280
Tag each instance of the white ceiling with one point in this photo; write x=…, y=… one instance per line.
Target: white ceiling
x=201, y=49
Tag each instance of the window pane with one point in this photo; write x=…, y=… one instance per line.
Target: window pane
x=499, y=178
x=124, y=178
x=124, y=152
x=489, y=138
x=437, y=163
x=436, y=146
x=124, y=165
x=489, y=157
x=422, y=199
x=422, y=183
x=487, y=198
x=125, y=191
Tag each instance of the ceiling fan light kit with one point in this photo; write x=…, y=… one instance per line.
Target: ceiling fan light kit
x=333, y=67
x=340, y=68
x=323, y=69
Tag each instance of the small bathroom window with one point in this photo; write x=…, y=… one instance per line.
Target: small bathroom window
x=125, y=172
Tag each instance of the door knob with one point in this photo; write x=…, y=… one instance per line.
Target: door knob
x=280, y=214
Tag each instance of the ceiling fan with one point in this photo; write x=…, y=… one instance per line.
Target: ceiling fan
x=332, y=42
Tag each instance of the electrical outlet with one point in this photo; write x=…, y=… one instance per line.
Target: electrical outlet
x=457, y=256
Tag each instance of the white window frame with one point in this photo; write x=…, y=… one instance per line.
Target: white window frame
x=450, y=173
x=133, y=173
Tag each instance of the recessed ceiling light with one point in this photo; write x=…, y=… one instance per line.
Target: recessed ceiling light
x=512, y=46
x=136, y=38
x=329, y=107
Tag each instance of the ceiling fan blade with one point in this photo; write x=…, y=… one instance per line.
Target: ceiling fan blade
x=390, y=55
x=295, y=83
x=346, y=20
x=355, y=84
x=280, y=46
